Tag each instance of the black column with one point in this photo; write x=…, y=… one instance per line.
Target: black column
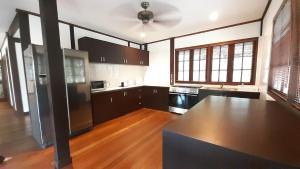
x=15, y=73
x=72, y=37
x=56, y=85
x=172, y=61
x=24, y=29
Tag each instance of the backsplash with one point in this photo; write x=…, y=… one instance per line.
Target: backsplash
x=115, y=74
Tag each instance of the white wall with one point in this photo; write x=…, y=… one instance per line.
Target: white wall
x=36, y=32
x=158, y=72
x=10, y=89
x=133, y=45
x=233, y=33
x=265, y=43
x=116, y=74
x=22, y=78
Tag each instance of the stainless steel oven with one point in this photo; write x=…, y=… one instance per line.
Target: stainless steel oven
x=181, y=99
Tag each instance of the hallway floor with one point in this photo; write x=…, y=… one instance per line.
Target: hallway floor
x=133, y=141
x=15, y=132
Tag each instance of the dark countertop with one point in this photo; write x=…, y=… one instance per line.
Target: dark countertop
x=258, y=128
x=123, y=88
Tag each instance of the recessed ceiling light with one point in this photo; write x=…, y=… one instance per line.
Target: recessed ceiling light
x=143, y=34
x=214, y=16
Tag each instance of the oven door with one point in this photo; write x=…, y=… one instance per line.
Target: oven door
x=178, y=103
x=192, y=100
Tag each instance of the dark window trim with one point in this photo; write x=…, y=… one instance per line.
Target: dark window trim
x=287, y=100
x=209, y=62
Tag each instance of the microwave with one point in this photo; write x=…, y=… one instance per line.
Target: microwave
x=99, y=85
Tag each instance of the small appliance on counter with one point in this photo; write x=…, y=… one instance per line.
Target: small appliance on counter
x=99, y=85
x=124, y=84
x=181, y=99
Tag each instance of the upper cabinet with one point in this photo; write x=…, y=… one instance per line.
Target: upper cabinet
x=106, y=52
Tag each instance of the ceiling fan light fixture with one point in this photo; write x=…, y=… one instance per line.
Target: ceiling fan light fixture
x=145, y=16
x=143, y=34
x=214, y=16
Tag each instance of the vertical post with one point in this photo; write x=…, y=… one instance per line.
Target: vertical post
x=24, y=35
x=15, y=73
x=72, y=37
x=56, y=82
x=24, y=30
x=128, y=44
x=172, y=61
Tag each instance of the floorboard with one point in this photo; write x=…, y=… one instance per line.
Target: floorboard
x=133, y=141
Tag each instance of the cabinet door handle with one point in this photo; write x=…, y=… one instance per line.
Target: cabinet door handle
x=111, y=100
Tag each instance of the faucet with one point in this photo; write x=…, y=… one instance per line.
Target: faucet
x=222, y=85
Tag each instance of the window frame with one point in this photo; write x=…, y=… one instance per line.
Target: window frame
x=288, y=99
x=209, y=53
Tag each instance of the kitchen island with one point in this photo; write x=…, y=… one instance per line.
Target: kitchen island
x=233, y=133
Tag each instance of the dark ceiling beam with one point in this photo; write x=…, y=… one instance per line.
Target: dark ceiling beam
x=56, y=82
x=81, y=27
x=266, y=9
x=263, y=16
x=14, y=26
x=209, y=30
x=72, y=37
x=24, y=30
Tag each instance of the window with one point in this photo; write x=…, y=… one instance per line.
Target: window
x=199, y=65
x=219, y=64
x=242, y=64
x=281, y=52
x=284, y=73
x=74, y=70
x=232, y=62
x=184, y=65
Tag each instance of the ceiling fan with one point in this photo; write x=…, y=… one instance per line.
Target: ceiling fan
x=151, y=17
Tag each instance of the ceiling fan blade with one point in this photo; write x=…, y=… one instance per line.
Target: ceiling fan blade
x=161, y=9
x=167, y=22
x=127, y=10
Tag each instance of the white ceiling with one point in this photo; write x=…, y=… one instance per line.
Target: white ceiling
x=106, y=16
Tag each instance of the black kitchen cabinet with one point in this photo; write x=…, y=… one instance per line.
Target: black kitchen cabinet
x=156, y=98
x=106, y=52
x=240, y=94
x=111, y=104
x=144, y=59
x=103, y=107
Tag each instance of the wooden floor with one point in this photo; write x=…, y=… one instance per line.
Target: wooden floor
x=15, y=132
x=133, y=141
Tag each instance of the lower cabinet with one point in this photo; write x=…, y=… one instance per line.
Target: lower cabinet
x=156, y=98
x=240, y=94
x=103, y=107
x=111, y=104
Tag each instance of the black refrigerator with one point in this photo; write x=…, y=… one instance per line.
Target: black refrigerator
x=77, y=92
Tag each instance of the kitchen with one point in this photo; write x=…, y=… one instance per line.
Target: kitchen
x=112, y=80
